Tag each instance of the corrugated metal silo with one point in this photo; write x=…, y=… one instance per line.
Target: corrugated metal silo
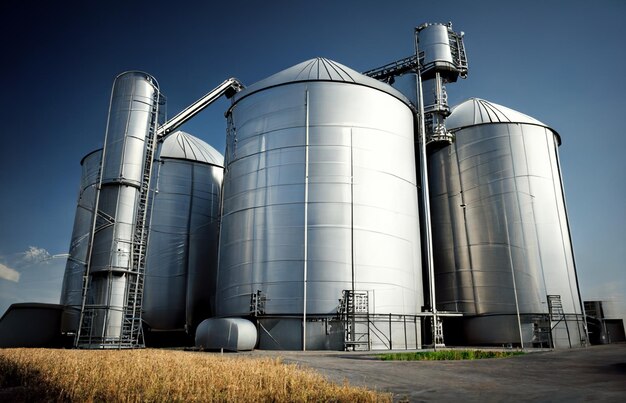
x=71, y=293
x=319, y=197
x=500, y=231
x=132, y=119
x=182, y=251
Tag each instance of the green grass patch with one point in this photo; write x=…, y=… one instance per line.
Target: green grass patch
x=447, y=355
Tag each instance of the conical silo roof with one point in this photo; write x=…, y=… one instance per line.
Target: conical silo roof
x=476, y=111
x=319, y=69
x=181, y=145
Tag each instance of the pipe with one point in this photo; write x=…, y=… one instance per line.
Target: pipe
x=306, y=215
x=426, y=197
x=228, y=87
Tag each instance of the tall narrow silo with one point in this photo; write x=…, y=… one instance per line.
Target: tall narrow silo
x=500, y=231
x=118, y=232
x=182, y=250
x=319, y=197
x=71, y=293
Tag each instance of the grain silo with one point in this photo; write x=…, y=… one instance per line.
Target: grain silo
x=71, y=293
x=182, y=249
x=182, y=252
x=112, y=301
x=319, y=241
x=320, y=210
x=502, y=248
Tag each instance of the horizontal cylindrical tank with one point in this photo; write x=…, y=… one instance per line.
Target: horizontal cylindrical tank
x=500, y=234
x=71, y=293
x=232, y=334
x=182, y=250
x=319, y=197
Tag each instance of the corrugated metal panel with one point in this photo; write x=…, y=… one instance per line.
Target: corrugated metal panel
x=355, y=212
x=182, y=249
x=499, y=220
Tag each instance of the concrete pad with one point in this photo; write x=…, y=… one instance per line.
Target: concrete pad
x=595, y=373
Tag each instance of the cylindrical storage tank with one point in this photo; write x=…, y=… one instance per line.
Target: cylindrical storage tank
x=182, y=250
x=71, y=293
x=500, y=231
x=133, y=114
x=439, y=51
x=319, y=197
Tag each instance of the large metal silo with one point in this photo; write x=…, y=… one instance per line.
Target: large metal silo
x=502, y=248
x=182, y=250
x=319, y=198
x=71, y=293
x=118, y=244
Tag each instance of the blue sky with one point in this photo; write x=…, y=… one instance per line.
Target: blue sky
x=557, y=61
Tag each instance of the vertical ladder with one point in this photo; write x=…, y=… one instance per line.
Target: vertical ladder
x=85, y=336
x=459, y=57
x=85, y=324
x=555, y=308
x=354, y=309
x=438, y=332
x=257, y=303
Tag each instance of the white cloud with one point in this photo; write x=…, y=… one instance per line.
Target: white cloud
x=9, y=274
x=36, y=255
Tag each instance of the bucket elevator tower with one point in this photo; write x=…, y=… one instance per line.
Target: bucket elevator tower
x=113, y=282
x=439, y=59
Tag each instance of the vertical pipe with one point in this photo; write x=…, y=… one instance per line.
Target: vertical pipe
x=426, y=196
x=467, y=237
x=87, y=276
x=189, y=287
x=352, y=208
x=353, y=316
x=508, y=242
x=508, y=236
x=306, y=215
x=571, y=246
x=406, y=345
x=390, y=338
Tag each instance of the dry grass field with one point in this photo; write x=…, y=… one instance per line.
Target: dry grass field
x=162, y=375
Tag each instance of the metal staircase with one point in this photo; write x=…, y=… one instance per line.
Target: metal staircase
x=353, y=309
x=557, y=315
